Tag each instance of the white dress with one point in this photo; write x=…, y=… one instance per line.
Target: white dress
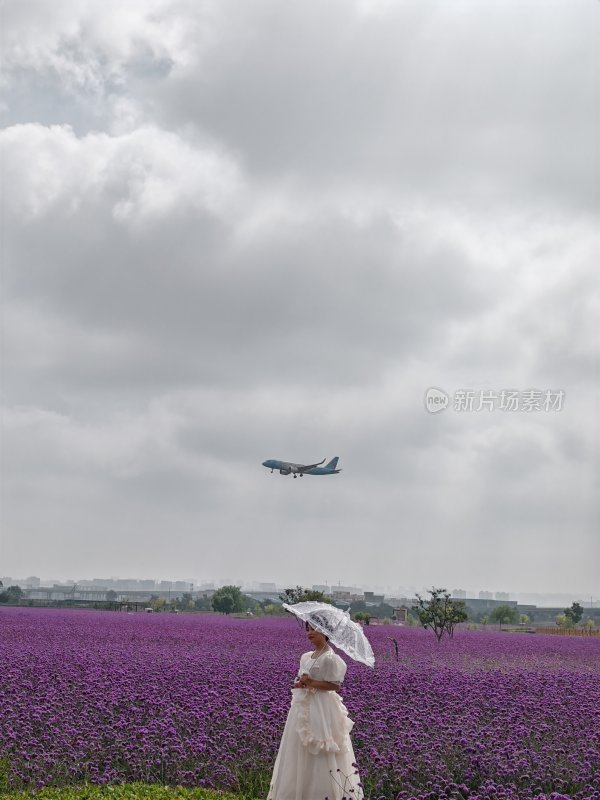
x=315, y=756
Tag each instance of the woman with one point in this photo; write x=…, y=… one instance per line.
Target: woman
x=315, y=759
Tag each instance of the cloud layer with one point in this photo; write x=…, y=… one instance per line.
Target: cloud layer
x=235, y=232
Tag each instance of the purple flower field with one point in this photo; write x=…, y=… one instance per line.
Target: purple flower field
x=201, y=701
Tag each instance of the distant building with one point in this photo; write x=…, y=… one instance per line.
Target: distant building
x=502, y=596
x=267, y=587
x=459, y=594
x=486, y=595
x=395, y=602
x=271, y=597
x=342, y=595
x=58, y=592
x=484, y=606
x=372, y=598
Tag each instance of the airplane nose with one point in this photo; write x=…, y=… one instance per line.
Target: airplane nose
x=264, y=463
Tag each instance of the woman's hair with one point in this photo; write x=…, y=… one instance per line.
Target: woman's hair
x=306, y=626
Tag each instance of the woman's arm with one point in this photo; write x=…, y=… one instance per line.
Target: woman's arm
x=306, y=682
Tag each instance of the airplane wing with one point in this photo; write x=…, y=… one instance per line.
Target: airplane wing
x=304, y=467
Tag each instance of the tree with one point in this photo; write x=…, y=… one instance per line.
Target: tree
x=440, y=613
x=381, y=611
x=362, y=616
x=503, y=614
x=523, y=619
x=562, y=621
x=574, y=614
x=272, y=609
x=202, y=604
x=11, y=595
x=228, y=599
x=589, y=624
x=157, y=603
x=302, y=595
x=111, y=595
x=185, y=602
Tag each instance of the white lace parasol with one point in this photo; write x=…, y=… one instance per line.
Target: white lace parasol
x=337, y=625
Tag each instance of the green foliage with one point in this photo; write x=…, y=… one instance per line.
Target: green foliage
x=523, y=619
x=574, y=614
x=157, y=603
x=362, y=616
x=271, y=609
x=440, y=613
x=503, y=614
x=562, y=621
x=11, y=595
x=228, y=600
x=4, y=770
x=185, y=602
x=589, y=624
x=202, y=604
x=302, y=595
x=130, y=791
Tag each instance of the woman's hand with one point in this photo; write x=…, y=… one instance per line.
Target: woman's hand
x=306, y=682
x=303, y=682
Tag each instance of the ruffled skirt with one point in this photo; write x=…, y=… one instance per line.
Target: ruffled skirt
x=315, y=759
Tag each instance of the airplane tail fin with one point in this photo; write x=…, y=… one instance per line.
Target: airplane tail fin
x=333, y=463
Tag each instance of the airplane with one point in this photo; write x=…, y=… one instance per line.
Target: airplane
x=287, y=468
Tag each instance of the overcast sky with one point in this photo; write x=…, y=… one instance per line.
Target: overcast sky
x=235, y=231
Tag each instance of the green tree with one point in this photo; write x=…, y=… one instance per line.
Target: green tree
x=302, y=595
x=589, y=624
x=157, y=603
x=523, y=619
x=503, y=614
x=440, y=612
x=202, y=604
x=381, y=611
x=272, y=609
x=228, y=599
x=562, y=621
x=362, y=616
x=11, y=595
x=574, y=614
x=185, y=602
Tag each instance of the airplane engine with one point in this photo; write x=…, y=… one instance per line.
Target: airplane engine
x=285, y=471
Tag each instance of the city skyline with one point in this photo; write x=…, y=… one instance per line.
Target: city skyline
x=547, y=598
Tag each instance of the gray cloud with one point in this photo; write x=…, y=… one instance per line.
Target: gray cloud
x=235, y=233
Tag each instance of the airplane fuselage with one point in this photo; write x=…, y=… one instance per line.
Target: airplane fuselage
x=290, y=468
